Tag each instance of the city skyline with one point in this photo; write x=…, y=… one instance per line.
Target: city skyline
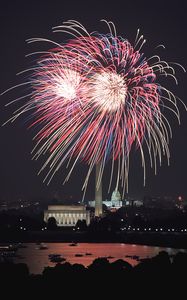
x=18, y=172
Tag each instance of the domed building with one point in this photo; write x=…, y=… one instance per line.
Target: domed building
x=116, y=198
x=114, y=203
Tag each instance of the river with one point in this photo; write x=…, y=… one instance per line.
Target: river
x=37, y=258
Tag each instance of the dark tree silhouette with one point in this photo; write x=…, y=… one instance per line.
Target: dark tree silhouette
x=52, y=223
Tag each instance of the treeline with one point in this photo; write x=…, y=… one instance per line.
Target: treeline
x=160, y=273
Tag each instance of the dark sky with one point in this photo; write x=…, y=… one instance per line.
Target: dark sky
x=160, y=22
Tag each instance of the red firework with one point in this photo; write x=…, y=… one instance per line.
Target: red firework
x=95, y=97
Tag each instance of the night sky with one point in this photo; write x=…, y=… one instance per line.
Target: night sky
x=159, y=22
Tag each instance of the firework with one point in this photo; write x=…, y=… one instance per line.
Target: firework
x=95, y=97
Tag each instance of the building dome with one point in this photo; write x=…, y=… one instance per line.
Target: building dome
x=115, y=196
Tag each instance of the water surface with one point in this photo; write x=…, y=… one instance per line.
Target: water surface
x=37, y=259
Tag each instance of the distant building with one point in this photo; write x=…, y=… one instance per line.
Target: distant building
x=133, y=202
x=67, y=215
x=114, y=203
x=3, y=206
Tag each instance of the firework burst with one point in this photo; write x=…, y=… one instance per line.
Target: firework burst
x=93, y=98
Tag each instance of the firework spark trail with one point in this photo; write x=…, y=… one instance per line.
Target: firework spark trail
x=93, y=98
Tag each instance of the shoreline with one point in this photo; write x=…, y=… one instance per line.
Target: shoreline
x=164, y=239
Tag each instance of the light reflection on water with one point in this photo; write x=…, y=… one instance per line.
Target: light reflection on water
x=37, y=259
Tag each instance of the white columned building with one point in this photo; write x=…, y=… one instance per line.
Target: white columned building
x=67, y=215
x=114, y=203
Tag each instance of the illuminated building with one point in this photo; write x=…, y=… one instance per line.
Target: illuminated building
x=67, y=215
x=113, y=204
